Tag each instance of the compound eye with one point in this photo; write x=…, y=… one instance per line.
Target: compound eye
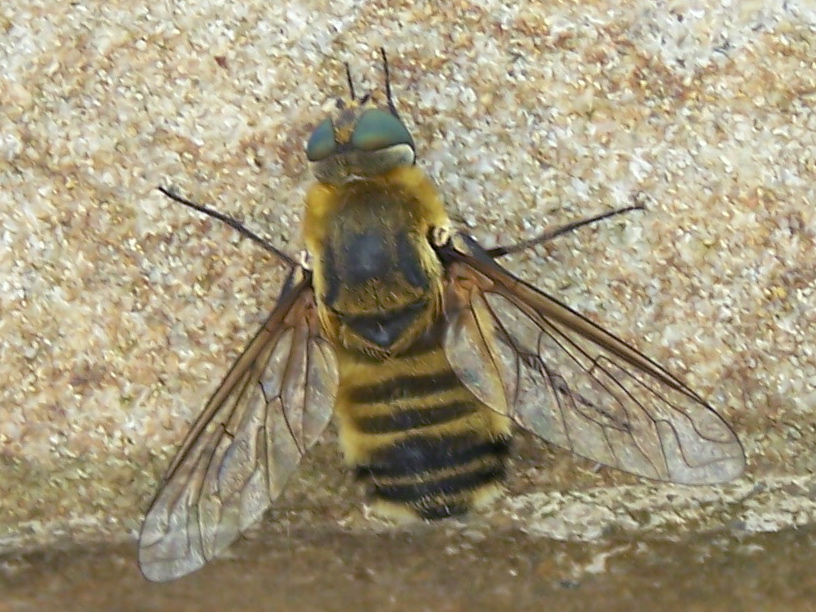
x=321, y=143
x=377, y=129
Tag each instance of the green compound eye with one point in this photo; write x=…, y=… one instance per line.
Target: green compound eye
x=377, y=129
x=321, y=143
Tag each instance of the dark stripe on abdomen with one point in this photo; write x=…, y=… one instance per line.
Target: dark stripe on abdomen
x=404, y=386
x=405, y=419
x=448, y=485
x=424, y=454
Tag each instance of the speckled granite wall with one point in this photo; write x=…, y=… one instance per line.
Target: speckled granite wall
x=119, y=311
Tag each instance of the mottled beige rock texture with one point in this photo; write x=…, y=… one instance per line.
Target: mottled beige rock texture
x=120, y=310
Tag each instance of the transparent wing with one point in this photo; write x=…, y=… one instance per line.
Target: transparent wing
x=270, y=409
x=570, y=382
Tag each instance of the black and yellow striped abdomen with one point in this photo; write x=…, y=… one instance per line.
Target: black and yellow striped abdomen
x=426, y=446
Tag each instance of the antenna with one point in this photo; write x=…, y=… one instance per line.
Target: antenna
x=350, y=81
x=391, y=106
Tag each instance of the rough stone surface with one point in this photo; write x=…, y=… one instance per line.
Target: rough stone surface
x=120, y=310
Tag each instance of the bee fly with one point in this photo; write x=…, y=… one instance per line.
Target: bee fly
x=426, y=351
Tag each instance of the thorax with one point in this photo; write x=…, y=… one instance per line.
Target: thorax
x=377, y=278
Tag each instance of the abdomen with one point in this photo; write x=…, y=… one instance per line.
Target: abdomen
x=425, y=445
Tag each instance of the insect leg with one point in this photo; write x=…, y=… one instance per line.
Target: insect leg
x=501, y=251
x=233, y=223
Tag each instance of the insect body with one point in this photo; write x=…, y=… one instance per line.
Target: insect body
x=407, y=422
x=426, y=351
